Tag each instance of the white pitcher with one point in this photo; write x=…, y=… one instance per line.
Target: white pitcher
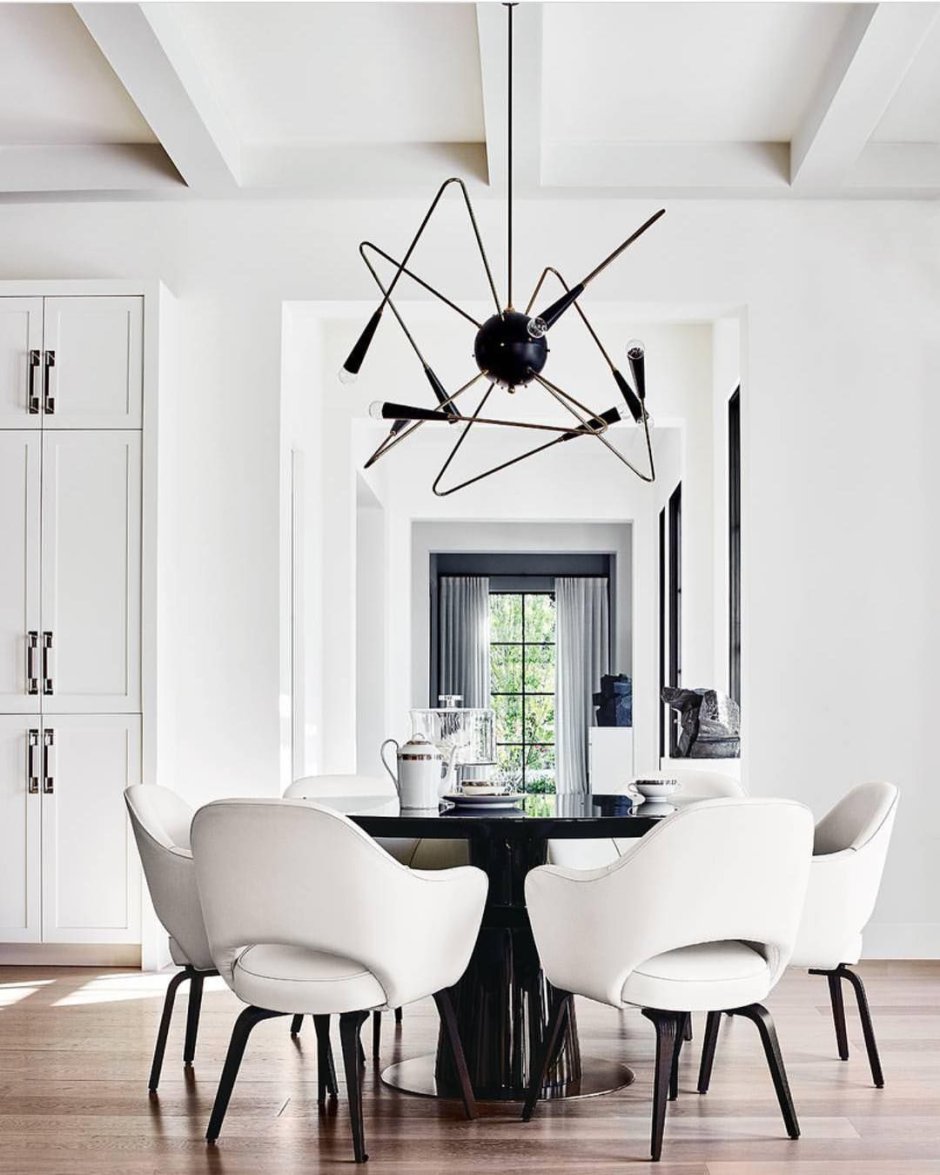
x=421, y=770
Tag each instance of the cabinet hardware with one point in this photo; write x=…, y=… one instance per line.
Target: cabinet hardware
x=48, y=396
x=48, y=762
x=32, y=775
x=47, y=665
x=33, y=403
x=32, y=644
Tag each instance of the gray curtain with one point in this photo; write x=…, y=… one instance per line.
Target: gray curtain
x=582, y=655
x=464, y=640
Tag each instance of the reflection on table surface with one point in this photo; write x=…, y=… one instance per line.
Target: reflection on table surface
x=532, y=807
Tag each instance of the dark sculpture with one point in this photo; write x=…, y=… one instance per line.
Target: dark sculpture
x=615, y=701
x=710, y=723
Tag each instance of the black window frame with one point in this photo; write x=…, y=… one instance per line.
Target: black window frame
x=675, y=607
x=734, y=545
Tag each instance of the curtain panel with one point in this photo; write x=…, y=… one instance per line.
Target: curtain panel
x=582, y=635
x=464, y=638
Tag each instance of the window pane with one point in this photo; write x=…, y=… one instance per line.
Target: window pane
x=539, y=719
x=539, y=617
x=540, y=769
x=508, y=718
x=539, y=669
x=505, y=617
x=506, y=669
x=509, y=766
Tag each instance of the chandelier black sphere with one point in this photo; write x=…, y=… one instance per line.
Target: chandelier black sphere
x=505, y=351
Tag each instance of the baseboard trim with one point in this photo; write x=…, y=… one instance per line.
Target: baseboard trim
x=56, y=954
x=902, y=940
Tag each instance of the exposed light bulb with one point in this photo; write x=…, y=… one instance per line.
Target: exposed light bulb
x=537, y=328
x=635, y=349
x=347, y=377
x=375, y=409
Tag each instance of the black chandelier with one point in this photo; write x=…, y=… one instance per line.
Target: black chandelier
x=510, y=349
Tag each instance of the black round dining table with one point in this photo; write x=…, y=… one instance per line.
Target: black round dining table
x=503, y=998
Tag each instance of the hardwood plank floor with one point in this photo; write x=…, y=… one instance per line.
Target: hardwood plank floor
x=75, y=1050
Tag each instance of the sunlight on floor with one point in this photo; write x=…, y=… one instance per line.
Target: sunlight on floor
x=12, y=993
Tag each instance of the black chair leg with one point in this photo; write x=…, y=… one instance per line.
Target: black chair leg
x=867, y=1027
x=445, y=1009
x=709, y=1044
x=668, y=1027
x=192, y=1016
x=350, y=1024
x=838, y=1010
x=326, y=1072
x=376, y=1035
x=687, y=1033
x=398, y=1016
x=233, y=1059
x=677, y=1049
x=551, y=1046
x=768, y=1035
x=164, y=1030
x=297, y=1022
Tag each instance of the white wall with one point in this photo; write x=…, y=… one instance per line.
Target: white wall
x=842, y=573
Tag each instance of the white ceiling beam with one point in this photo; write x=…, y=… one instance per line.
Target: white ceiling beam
x=103, y=168
x=709, y=168
x=526, y=88
x=870, y=61
x=143, y=44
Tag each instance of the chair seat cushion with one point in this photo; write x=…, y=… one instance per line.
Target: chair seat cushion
x=295, y=979
x=709, y=976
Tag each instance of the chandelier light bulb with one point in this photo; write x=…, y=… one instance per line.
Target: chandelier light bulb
x=375, y=409
x=347, y=377
x=537, y=328
x=635, y=349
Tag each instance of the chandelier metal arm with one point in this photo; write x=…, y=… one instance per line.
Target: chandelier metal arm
x=420, y=281
x=387, y=301
x=563, y=397
x=395, y=438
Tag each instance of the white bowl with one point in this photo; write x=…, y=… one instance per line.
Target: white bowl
x=657, y=790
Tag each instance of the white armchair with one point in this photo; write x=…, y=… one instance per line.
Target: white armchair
x=627, y=934
x=849, y=852
x=161, y=822
x=305, y=912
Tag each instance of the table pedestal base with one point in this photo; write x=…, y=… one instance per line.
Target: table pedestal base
x=418, y=1076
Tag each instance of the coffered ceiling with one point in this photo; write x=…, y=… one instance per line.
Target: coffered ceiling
x=323, y=99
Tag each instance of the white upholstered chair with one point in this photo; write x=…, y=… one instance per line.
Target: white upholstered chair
x=630, y=933
x=415, y=852
x=305, y=912
x=161, y=822
x=697, y=784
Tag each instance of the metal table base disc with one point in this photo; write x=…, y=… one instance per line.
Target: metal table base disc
x=597, y=1077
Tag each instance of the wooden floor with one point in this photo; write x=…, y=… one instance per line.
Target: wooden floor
x=75, y=1050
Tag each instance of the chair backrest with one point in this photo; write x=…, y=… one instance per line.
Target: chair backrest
x=322, y=787
x=296, y=873
x=849, y=852
x=718, y=870
x=161, y=821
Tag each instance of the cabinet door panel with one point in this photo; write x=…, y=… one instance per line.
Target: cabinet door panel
x=91, y=571
x=20, y=817
x=20, y=469
x=97, y=378
x=91, y=883
x=20, y=333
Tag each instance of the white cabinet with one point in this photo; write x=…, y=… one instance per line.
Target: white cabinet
x=20, y=824
x=90, y=886
x=96, y=376
x=90, y=632
x=20, y=362
x=20, y=497
x=73, y=362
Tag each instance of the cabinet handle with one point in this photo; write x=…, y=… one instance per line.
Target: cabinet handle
x=48, y=396
x=47, y=664
x=32, y=644
x=48, y=762
x=33, y=404
x=32, y=775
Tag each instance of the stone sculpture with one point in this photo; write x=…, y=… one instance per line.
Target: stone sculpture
x=710, y=723
x=615, y=701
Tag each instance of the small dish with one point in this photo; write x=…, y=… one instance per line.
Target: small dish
x=468, y=800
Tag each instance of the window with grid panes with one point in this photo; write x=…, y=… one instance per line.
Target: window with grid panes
x=522, y=684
